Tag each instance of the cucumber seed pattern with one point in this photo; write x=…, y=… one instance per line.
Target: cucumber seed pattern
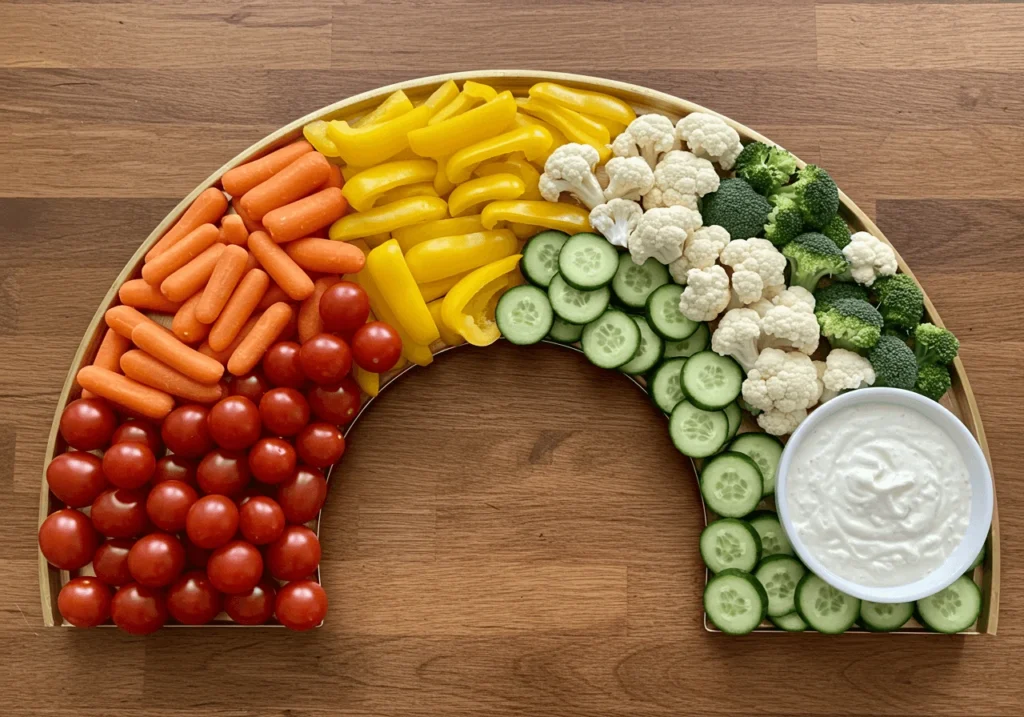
x=946, y=601
x=727, y=548
x=711, y=376
x=525, y=312
x=698, y=427
x=733, y=604
x=609, y=338
x=637, y=279
x=779, y=585
x=731, y=486
x=548, y=257
x=587, y=259
x=828, y=600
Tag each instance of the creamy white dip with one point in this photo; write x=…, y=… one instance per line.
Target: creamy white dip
x=879, y=494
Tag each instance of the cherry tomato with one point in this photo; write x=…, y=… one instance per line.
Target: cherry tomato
x=138, y=431
x=84, y=602
x=251, y=385
x=139, y=610
x=261, y=520
x=88, y=424
x=195, y=556
x=223, y=472
x=156, y=560
x=337, y=404
x=185, y=431
x=168, y=503
x=302, y=496
x=320, y=445
x=175, y=468
x=192, y=599
x=284, y=411
x=272, y=460
x=235, y=567
x=119, y=513
x=253, y=607
x=295, y=554
x=212, y=521
x=234, y=423
x=376, y=347
x=282, y=367
x=325, y=358
x=301, y=605
x=76, y=478
x=344, y=307
x=67, y=539
x=110, y=561
x=129, y=465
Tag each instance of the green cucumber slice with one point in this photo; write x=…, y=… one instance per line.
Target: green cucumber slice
x=885, y=617
x=575, y=306
x=698, y=341
x=565, y=333
x=662, y=311
x=765, y=450
x=730, y=543
x=695, y=432
x=953, y=609
x=587, y=261
x=773, y=538
x=735, y=602
x=665, y=387
x=780, y=574
x=649, y=353
x=540, y=257
x=731, y=484
x=524, y=315
x=612, y=340
x=825, y=608
x=711, y=381
x=633, y=282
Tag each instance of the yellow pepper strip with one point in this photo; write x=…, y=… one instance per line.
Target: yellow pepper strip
x=442, y=96
x=564, y=217
x=423, y=189
x=573, y=125
x=437, y=289
x=523, y=231
x=364, y=189
x=351, y=170
x=395, y=105
x=443, y=138
x=444, y=256
x=388, y=217
x=416, y=353
x=454, y=308
x=532, y=141
x=595, y=104
x=515, y=164
x=447, y=335
x=408, y=237
x=443, y=185
x=558, y=139
x=480, y=308
x=373, y=144
x=375, y=240
x=316, y=134
x=475, y=192
x=368, y=381
x=390, y=272
x=613, y=127
x=473, y=93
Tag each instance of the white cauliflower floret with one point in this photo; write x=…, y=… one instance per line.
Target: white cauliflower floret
x=823, y=395
x=845, y=371
x=628, y=178
x=737, y=335
x=756, y=265
x=570, y=168
x=661, y=233
x=795, y=297
x=783, y=381
x=678, y=269
x=706, y=294
x=781, y=423
x=710, y=137
x=791, y=323
x=704, y=246
x=869, y=258
x=648, y=136
x=679, y=179
x=616, y=220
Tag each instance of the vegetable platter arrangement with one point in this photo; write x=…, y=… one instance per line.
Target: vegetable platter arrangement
x=203, y=413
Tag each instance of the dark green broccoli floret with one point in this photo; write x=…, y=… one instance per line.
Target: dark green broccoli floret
x=898, y=331
x=900, y=301
x=933, y=381
x=851, y=324
x=828, y=295
x=785, y=222
x=838, y=231
x=934, y=345
x=811, y=257
x=894, y=363
x=737, y=208
x=765, y=168
x=816, y=195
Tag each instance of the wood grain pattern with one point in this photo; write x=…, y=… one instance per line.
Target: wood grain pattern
x=579, y=503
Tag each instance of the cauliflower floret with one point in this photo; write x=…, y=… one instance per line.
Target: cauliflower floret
x=678, y=269
x=679, y=179
x=756, y=265
x=737, y=335
x=648, y=136
x=706, y=294
x=783, y=381
x=710, y=137
x=616, y=220
x=661, y=234
x=844, y=371
x=570, y=168
x=781, y=423
x=704, y=246
x=869, y=258
x=628, y=178
x=823, y=395
x=796, y=297
x=791, y=323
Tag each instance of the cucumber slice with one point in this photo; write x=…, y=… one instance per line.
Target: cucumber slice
x=540, y=257
x=773, y=538
x=695, y=432
x=765, y=451
x=731, y=484
x=790, y=623
x=612, y=340
x=951, y=610
x=524, y=315
x=735, y=415
x=823, y=607
x=633, y=282
x=779, y=574
x=587, y=261
x=664, y=385
x=711, y=381
x=662, y=311
x=698, y=341
x=730, y=543
x=575, y=306
x=735, y=601
x=565, y=333
x=977, y=561
x=649, y=353
x=885, y=617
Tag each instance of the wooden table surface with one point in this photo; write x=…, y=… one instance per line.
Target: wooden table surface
x=491, y=548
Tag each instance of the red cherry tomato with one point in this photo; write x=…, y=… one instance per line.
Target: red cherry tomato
x=301, y=605
x=67, y=539
x=337, y=404
x=295, y=554
x=168, y=503
x=344, y=307
x=192, y=599
x=139, y=610
x=302, y=496
x=320, y=445
x=129, y=465
x=185, y=431
x=234, y=423
x=282, y=366
x=325, y=358
x=195, y=556
x=76, y=478
x=156, y=560
x=223, y=472
x=137, y=431
x=88, y=424
x=376, y=347
x=253, y=607
x=272, y=460
x=284, y=411
x=251, y=385
x=110, y=561
x=119, y=513
x=235, y=567
x=261, y=520
x=175, y=468
x=212, y=521
x=84, y=602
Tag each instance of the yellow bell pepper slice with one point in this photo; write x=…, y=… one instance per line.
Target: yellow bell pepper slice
x=515, y=164
x=550, y=215
x=396, y=104
x=375, y=240
x=573, y=125
x=597, y=105
x=447, y=335
x=408, y=237
x=523, y=231
x=473, y=93
x=316, y=134
x=613, y=127
x=443, y=185
x=391, y=274
x=372, y=144
x=445, y=256
x=416, y=353
x=443, y=138
x=475, y=192
x=351, y=170
x=422, y=189
x=368, y=381
x=364, y=189
x=557, y=138
x=437, y=289
x=532, y=141
x=388, y=217
x=442, y=96
x=486, y=282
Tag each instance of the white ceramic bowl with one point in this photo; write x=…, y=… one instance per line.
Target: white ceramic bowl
x=981, y=495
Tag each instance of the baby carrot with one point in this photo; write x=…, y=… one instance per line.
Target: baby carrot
x=302, y=218
x=123, y=391
x=187, y=248
x=145, y=369
x=207, y=208
x=223, y=355
x=274, y=294
x=295, y=181
x=140, y=294
x=239, y=308
x=190, y=278
x=108, y=355
x=225, y=277
x=241, y=179
x=263, y=334
x=251, y=225
x=123, y=319
x=334, y=179
x=333, y=257
x=310, y=323
x=186, y=326
x=164, y=346
x=232, y=230
x=288, y=275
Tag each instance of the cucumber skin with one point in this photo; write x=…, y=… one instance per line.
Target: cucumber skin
x=657, y=360
x=920, y=618
x=774, y=559
x=523, y=265
x=750, y=579
x=654, y=324
x=653, y=373
x=796, y=596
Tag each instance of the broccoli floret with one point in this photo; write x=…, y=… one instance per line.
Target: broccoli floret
x=851, y=324
x=737, y=208
x=934, y=345
x=828, y=295
x=933, y=381
x=812, y=256
x=785, y=222
x=838, y=231
x=898, y=331
x=900, y=302
x=765, y=168
x=894, y=363
x=816, y=195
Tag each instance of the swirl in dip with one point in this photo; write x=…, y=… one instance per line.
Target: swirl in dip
x=879, y=494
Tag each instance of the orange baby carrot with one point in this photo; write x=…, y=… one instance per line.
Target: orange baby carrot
x=145, y=369
x=302, y=218
x=123, y=391
x=274, y=294
x=238, y=309
x=109, y=354
x=251, y=225
x=295, y=181
x=263, y=334
x=186, y=326
x=241, y=179
x=123, y=319
x=334, y=179
x=207, y=208
x=187, y=248
x=140, y=294
x=223, y=355
x=333, y=257
x=232, y=230
x=310, y=323
x=288, y=275
x=164, y=346
x=190, y=278
x=225, y=277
